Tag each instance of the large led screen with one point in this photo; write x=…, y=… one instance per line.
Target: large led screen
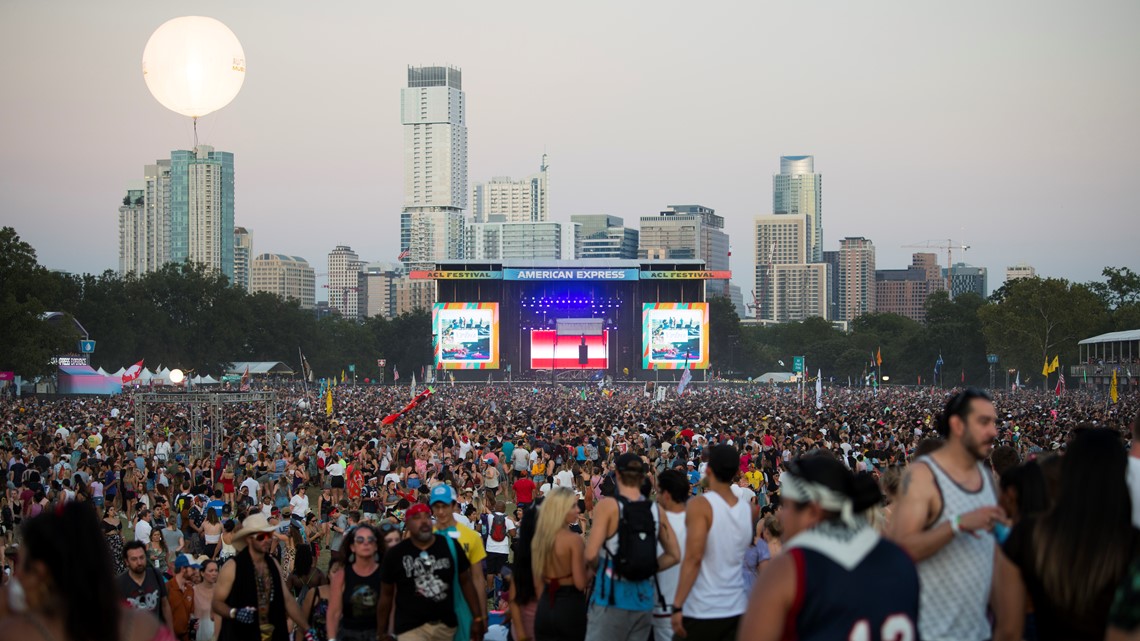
x=465, y=335
x=544, y=348
x=675, y=336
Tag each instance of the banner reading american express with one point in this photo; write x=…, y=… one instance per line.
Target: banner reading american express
x=577, y=273
x=675, y=336
x=465, y=335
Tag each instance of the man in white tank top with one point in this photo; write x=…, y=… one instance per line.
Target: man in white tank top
x=945, y=512
x=673, y=492
x=710, y=594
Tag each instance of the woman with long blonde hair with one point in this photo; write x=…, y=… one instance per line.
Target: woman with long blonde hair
x=559, y=566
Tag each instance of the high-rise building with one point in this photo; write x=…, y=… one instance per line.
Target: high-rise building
x=967, y=278
x=344, y=268
x=243, y=253
x=904, y=291
x=1020, y=270
x=289, y=277
x=202, y=208
x=504, y=241
x=797, y=190
x=377, y=289
x=186, y=213
x=687, y=232
x=832, y=260
x=142, y=240
x=602, y=236
x=413, y=294
x=788, y=286
x=435, y=165
x=857, y=289
x=517, y=201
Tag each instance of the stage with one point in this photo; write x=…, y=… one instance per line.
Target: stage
x=618, y=318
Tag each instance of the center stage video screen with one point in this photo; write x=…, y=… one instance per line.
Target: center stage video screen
x=564, y=352
x=465, y=335
x=675, y=336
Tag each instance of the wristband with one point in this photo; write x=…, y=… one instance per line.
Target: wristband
x=233, y=613
x=677, y=609
x=956, y=524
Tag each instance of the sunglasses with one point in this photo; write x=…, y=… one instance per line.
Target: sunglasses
x=364, y=539
x=263, y=536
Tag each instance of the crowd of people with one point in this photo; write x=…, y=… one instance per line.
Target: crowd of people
x=499, y=511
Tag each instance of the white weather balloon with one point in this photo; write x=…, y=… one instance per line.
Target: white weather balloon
x=193, y=65
x=177, y=376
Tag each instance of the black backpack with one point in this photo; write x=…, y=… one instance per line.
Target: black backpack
x=608, y=487
x=636, y=558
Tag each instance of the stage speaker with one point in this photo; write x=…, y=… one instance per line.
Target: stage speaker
x=583, y=357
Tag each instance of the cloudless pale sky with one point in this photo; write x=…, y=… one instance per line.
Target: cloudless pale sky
x=1009, y=126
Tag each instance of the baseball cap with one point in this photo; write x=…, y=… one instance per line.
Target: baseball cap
x=185, y=561
x=630, y=463
x=442, y=494
x=418, y=508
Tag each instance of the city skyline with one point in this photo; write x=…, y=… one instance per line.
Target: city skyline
x=927, y=123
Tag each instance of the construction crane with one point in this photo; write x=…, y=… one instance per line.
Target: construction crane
x=949, y=246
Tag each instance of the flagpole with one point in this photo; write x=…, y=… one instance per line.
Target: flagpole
x=304, y=375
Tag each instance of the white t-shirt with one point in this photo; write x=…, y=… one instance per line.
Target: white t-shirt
x=142, y=531
x=391, y=477
x=254, y=487
x=499, y=547
x=335, y=469
x=564, y=478
x=300, y=504
x=1133, y=476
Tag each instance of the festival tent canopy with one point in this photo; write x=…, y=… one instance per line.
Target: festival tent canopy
x=776, y=377
x=81, y=379
x=260, y=368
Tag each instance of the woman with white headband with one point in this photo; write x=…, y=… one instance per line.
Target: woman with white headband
x=836, y=577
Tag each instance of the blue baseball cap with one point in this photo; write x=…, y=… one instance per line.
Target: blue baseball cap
x=442, y=494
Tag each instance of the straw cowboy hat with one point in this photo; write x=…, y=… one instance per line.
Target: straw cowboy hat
x=254, y=524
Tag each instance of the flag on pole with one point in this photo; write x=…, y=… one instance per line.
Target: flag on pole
x=413, y=383
x=819, y=389
x=938, y=366
x=404, y=254
x=133, y=372
x=686, y=378
x=1017, y=381
x=879, y=357
x=963, y=374
x=395, y=373
x=342, y=375
x=1046, y=368
x=328, y=401
x=1060, y=384
x=1055, y=364
x=245, y=380
x=1112, y=392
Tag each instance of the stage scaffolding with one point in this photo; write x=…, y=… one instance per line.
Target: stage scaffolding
x=207, y=422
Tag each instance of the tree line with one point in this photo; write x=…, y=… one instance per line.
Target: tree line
x=186, y=316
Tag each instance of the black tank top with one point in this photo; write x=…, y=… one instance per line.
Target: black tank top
x=361, y=595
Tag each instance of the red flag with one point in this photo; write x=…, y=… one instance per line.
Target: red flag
x=1060, y=384
x=133, y=372
x=963, y=376
x=404, y=254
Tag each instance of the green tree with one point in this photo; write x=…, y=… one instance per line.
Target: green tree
x=954, y=329
x=29, y=342
x=725, y=337
x=1031, y=320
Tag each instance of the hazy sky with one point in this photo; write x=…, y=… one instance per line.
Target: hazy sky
x=1011, y=126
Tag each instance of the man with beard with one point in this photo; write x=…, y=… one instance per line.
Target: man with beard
x=422, y=576
x=946, y=507
x=250, y=596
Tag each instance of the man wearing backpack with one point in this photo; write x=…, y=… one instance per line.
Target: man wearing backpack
x=498, y=531
x=623, y=546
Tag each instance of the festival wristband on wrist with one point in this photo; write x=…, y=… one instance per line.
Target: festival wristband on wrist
x=956, y=524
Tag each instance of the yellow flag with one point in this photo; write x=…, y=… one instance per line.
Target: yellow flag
x=1056, y=364
x=1112, y=391
x=328, y=402
x=1045, y=368
x=342, y=375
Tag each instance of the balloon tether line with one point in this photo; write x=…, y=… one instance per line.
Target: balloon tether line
x=195, y=119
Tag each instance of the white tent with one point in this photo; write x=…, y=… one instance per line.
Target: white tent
x=208, y=380
x=101, y=372
x=122, y=370
x=145, y=376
